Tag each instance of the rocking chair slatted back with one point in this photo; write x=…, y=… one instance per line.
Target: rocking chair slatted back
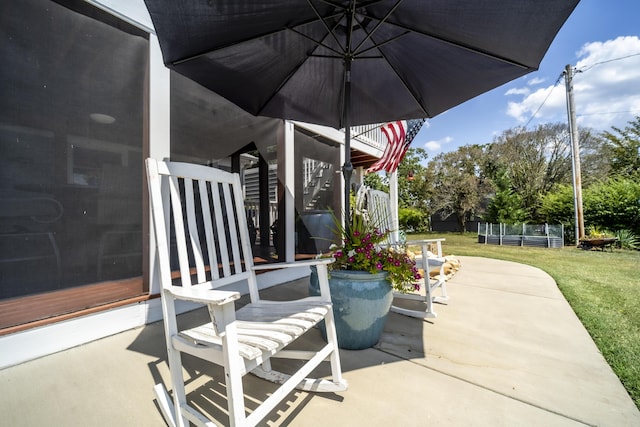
x=375, y=206
x=205, y=209
x=208, y=238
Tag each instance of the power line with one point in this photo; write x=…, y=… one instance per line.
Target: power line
x=607, y=61
x=581, y=71
x=545, y=100
x=610, y=112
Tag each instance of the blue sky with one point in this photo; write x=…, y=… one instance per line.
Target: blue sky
x=606, y=92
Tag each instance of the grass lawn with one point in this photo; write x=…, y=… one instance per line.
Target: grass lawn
x=602, y=287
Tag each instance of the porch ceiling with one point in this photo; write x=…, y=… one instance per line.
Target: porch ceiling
x=358, y=158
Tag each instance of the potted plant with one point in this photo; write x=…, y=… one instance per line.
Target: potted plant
x=362, y=278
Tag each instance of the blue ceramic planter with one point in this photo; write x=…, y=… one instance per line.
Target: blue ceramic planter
x=361, y=303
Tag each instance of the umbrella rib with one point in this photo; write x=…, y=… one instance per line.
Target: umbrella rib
x=318, y=43
x=377, y=45
x=324, y=24
x=462, y=46
x=380, y=22
x=340, y=55
x=406, y=86
x=260, y=36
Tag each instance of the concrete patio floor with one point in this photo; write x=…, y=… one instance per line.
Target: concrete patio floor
x=507, y=350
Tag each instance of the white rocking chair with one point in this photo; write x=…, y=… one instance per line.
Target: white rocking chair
x=206, y=208
x=376, y=206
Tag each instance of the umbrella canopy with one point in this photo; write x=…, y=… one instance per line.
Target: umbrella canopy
x=346, y=62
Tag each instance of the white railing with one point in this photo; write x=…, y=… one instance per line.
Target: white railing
x=253, y=213
x=370, y=135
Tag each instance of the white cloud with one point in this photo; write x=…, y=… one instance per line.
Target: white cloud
x=536, y=81
x=436, y=145
x=518, y=91
x=606, y=88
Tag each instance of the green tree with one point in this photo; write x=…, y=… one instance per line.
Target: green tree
x=506, y=205
x=595, y=157
x=413, y=188
x=458, y=184
x=624, y=146
x=535, y=161
x=374, y=180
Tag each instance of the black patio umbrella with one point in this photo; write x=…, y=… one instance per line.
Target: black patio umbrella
x=345, y=62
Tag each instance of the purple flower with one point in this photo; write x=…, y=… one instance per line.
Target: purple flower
x=416, y=286
x=379, y=266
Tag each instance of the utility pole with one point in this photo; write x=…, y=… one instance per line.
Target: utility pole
x=575, y=154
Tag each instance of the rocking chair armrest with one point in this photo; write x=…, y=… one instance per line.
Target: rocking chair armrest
x=424, y=242
x=203, y=296
x=421, y=241
x=305, y=263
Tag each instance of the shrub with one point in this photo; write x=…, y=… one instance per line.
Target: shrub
x=614, y=204
x=412, y=220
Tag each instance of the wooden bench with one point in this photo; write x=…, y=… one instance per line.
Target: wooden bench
x=202, y=209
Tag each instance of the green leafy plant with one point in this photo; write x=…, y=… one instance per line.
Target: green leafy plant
x=627, y=240
x=362, y=248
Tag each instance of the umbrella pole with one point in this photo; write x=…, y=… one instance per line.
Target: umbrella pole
x=347, y=168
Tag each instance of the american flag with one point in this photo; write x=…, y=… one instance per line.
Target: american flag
x=399, y=136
